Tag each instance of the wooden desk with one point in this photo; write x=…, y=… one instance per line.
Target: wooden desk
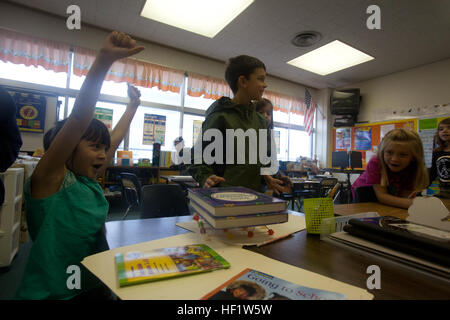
x=383, y=210
x=307, y=252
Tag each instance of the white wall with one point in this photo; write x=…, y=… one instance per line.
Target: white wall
x=422, y=86
x=418, y=87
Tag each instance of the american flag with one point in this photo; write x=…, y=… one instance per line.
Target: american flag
x=309, y=114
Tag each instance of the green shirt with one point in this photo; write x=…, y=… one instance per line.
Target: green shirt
x=222, y=115
x=65, y=228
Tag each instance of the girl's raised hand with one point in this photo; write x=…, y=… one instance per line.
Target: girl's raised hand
x=133, y=94
x=119, y=45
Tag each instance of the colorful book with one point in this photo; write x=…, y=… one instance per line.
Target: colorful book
x=257, y=219
x=140, y=267
x=234, y=201
x=254, y=285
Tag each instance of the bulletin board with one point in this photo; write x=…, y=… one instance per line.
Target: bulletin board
x=365, y=138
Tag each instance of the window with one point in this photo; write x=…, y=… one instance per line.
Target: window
x=108, y=87
x=188, y=128
x=62, y=106
x=118, y=111
x=158, y=96
x=136, y=136
x=299, y=144
x=283, y=148
x=279, y=116
x=292, y=143
x=197, y=102
x=39, y=75
x=297, y=119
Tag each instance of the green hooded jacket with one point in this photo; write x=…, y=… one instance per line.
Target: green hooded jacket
x=225, y=114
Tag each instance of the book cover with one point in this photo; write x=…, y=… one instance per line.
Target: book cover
x=250, y=220
x=146, y=266
x=254, y=285
x=232, y=201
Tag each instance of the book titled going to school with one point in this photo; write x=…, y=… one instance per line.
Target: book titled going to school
x=231, y=201
x=146, y=266
x=255, y=285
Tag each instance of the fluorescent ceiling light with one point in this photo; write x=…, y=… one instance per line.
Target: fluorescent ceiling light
x=330, y=58
x=205, y=17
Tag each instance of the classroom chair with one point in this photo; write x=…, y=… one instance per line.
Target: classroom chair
x=365, y=194
x=131, y=191
x=289, y=197
x=326, y=185
x=163, y=200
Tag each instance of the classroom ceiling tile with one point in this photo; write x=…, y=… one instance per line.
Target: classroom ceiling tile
x=413, y=33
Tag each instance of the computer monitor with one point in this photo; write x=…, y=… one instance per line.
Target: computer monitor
x=339, y=159
x=355, y=159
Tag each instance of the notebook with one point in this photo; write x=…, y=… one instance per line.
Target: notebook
x=418, y=240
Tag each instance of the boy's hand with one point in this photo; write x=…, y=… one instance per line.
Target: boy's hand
x=274, y=184
x=287, y=181
x=133, y=94
x=212, y=181
x=118, y=45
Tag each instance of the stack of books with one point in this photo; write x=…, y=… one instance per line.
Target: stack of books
x=237, y=207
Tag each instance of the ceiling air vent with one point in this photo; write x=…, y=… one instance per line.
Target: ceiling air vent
x=306, y=38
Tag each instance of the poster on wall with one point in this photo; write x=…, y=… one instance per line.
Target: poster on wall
x=343, y=138
x=30, y=111
x=197, y=126
x=154, y=129
x=384, y=129
x=104, y=115
x=363, y=138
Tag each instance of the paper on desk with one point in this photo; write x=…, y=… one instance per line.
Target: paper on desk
x=429, y=211
x=195, y=287
x=260, y=234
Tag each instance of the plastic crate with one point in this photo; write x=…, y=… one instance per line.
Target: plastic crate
x=13, y=179
x=317, y=209
x=10, y=214
x=9, y=245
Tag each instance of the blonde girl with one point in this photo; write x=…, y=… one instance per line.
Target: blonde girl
x=398, y=171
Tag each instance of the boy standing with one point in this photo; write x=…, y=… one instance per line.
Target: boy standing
x=246, y=77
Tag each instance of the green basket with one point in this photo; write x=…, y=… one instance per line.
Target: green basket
x=317, y=209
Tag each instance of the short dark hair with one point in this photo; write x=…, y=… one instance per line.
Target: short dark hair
x=261, y=104
x=241, y=66
x=96, y=132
